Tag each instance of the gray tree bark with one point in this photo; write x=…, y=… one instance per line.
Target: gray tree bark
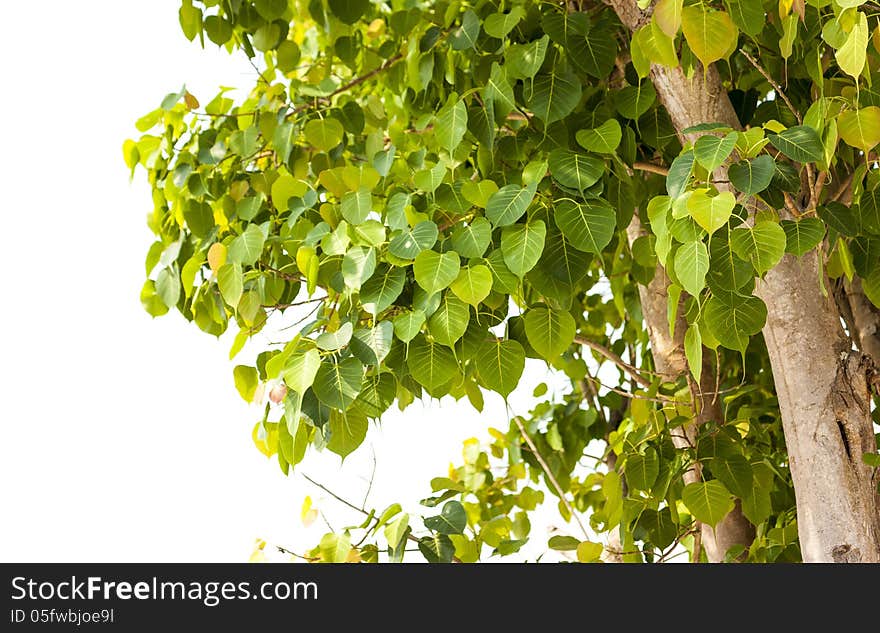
x=821, y=382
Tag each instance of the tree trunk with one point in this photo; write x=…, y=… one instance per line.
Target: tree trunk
x=821, y=384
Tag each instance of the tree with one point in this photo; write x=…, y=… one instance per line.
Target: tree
x=685, y=193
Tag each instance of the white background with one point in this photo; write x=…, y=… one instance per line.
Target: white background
x=123, y=438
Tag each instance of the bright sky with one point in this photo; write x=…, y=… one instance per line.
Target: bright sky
x=123, y=438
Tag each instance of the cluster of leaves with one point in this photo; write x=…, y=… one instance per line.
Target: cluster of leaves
x=446, y=186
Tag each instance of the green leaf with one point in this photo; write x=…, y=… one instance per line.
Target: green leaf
x=435, y=271
x=324, y=134
x=733, y=319
x=549, y=331
x=800, y=143
x=451, y=124
x=679, y=174
x=499, y=92
x=168, y=287
x=337, y=384
x=747, y=15
x=634, y=101
x=478, y=192
x=229, y=280
x=473, y=284
x=710, y=212
x=190, y=20
x=300, y=370
x=358, y=265
x=711, y=151
x=840, y=218
x=451, y=520
x=356, y=205
x=667, y=15
x=246, y=381
x=408, y=324
x=756, y=505
x=473, y=239
x=802, y=236
x=727, y=271
x=603, y=139
x=691, y=265
x=523, y=61
x=522, y=245
x=871, y=286
x=763, y=244
x=431, y=364
x=199, y=218
x=380, y=290
x=867, y=212
x=553, y=96
x=693, y=350
x=409, y=242
x=500, y=24
x=708, y=502
x=711, y=34
x=348, y=429
x=465, y=36
x=852, y=55
x=500, y=365
x=437, y=548
x=449, y=321
x=860, y=128
x=562, y=543
x=332, y=341
x=642, y=469
x=575, y=171
x=334, y=548
x=599, y=53
x=508, y=204
x=589, y=552
x=247, y=247
x=752, y=176
x=396, y=531
x=735, y=472
x=430, y=178
x=349, y=11
x=589, y=226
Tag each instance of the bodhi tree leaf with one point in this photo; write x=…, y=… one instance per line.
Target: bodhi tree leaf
x=732, y=320
x=473, y=284
x=473, y=239
x=451, y=124
x=348, y=429
x=800, y=143
x=691, y=266
x=589, y=226
x=337, y=384
x=549, y=331
x=324, y=134
x=522, y=245
x=603, y=139
x=642, y=469
x=763, y=244
x=452, y=519
x=449, y=321
x=752, y=176
x=711, y=151
x=407, y=243
x=435, y=271
x=500, y=365
x=711, y=34
x=431, y=364
x=573, y=170
x=708, y=501
x=802, y=236
x=508, y=204
x=710, y=212
x=860, y=128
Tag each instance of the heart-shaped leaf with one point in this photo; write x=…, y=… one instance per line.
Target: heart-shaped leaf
x=710, y=212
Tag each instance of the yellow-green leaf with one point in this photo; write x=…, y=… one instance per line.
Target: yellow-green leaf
x=711, y=34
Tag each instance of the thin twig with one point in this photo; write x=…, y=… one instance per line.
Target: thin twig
x=651, y=167
x=614, y=358
x=409, y=536
x=550, y=476
x=775, y=85
x=698, y=541
x=351, y=84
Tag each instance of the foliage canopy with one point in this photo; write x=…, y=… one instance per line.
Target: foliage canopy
x=445, y=188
